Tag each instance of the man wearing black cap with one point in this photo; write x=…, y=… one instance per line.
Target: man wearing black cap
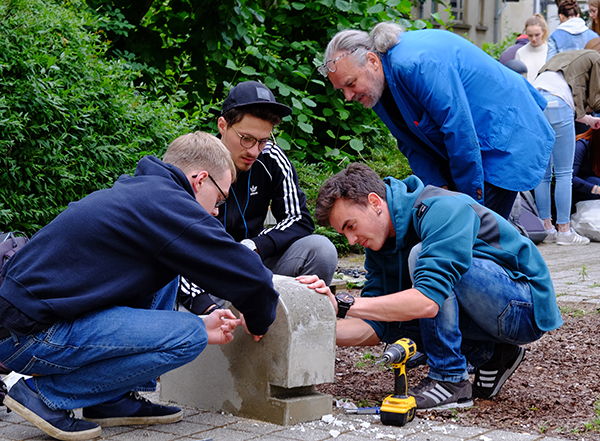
x=265, y=179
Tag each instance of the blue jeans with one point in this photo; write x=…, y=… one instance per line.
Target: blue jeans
x=561, y=118
x=108, y=352
x=485, y=307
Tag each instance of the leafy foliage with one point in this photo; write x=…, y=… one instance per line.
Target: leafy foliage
x=195, y=50
x=496, y=49
x=71, y=121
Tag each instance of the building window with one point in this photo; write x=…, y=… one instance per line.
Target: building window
x=457, y=9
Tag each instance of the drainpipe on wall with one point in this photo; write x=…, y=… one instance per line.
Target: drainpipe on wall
x=497, y=18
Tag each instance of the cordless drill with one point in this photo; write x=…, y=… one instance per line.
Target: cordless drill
x=398, y=409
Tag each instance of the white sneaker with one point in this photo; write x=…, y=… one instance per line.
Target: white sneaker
x=550, y=236
x=571, y=239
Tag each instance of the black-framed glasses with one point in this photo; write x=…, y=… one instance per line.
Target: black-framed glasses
x=220, y=202
x=248, y=141
x=330, y=66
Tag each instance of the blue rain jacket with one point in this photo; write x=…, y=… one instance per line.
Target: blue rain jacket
x=473, y=114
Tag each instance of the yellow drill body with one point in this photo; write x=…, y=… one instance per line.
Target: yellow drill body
x=398, y=409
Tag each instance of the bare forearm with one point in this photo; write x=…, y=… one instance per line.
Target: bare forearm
x=398, y=307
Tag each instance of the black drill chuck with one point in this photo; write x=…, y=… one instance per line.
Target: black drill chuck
x=394, y=354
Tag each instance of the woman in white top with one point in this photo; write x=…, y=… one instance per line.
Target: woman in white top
x=533, y=54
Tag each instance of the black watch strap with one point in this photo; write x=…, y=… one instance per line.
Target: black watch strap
x=344, y=302
x=342, y=310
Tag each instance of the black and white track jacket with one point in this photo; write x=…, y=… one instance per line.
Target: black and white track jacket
x=272, y=181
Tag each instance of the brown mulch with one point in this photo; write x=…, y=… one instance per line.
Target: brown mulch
x=555, y=391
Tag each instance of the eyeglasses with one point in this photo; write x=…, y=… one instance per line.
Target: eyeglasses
x=222, y=201
x=219, y=202
x=248, y=141
x=329, y=65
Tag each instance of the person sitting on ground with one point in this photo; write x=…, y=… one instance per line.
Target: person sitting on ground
x=266, y=179
x=87, y=305
x=586, y=167
x=533, y=54
x=442, y=270
x=572, y=33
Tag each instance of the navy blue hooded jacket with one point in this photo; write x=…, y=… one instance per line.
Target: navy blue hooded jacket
x=118, y=246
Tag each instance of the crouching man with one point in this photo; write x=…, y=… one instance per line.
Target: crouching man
x=444, y=271
x=87, y=306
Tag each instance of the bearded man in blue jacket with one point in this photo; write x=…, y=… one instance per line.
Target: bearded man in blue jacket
x=87, y=305
x=443, y=270
x=464, y=121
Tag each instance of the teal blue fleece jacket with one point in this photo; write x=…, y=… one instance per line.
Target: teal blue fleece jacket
x=453, y=228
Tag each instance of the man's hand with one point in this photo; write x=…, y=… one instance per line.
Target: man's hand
x=319, y=286
x=243, y=323
x=220, y=325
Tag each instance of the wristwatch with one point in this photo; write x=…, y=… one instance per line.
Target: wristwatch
x=250, y=244
x=344, y=302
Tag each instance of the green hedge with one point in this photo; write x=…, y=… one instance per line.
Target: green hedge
x=71, y=121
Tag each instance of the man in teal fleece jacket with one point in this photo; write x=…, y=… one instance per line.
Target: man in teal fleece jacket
x=443, y=270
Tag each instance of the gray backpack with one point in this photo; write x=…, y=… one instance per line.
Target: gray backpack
x=10, y=243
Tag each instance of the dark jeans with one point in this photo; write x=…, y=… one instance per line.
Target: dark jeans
x=499, y=199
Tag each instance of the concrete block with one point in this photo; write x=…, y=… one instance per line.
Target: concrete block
x=271, y=380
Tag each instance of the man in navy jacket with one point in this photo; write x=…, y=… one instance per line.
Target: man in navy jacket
x=266, y=179
x=464, y=121
x=87, y=306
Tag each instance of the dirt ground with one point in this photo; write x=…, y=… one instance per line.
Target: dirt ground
x=555, y=391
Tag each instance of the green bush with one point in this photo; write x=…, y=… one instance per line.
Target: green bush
x=184, y=50
x=71, y=121
x=496, y=49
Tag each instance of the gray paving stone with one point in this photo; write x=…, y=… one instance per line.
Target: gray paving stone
x=145, y=433
x=500, y=435
x=212, y=419
x=300, y=432
x=253, y=426
x=183, y=428
x=224, y=434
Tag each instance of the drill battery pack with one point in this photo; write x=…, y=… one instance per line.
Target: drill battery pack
x=397, y=411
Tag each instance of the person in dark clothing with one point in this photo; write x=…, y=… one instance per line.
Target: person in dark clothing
x=586, y=167
x=87, y=305
x=266, y=180
x=510, y=52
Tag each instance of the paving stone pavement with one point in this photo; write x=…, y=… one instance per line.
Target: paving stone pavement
x=576, y=274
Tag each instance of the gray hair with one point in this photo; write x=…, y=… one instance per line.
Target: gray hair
x=382, y=38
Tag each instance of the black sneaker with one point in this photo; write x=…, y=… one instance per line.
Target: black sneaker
x=59, y=424
x=490, y=377
x=131, y=409
x=431, y=394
